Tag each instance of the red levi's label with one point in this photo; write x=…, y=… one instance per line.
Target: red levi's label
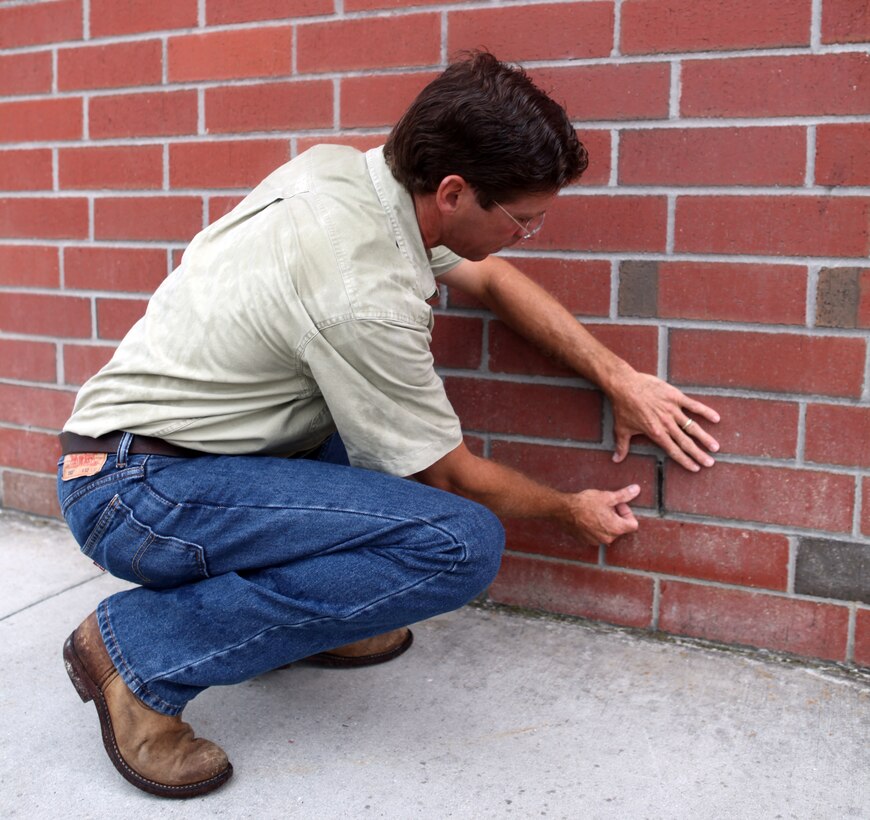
x=76, y=465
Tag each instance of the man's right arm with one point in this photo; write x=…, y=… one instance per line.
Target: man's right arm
x=594, y=516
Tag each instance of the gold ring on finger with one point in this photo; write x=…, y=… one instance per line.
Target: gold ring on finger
x=687, y=425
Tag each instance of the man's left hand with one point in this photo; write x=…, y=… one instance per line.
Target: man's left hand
x=645, y=404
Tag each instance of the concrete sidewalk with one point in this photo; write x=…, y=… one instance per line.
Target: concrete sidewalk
x=490, y=715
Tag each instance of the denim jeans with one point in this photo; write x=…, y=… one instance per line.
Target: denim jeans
x=246, y=563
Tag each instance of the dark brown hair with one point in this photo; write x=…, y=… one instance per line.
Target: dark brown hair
x=489, y=123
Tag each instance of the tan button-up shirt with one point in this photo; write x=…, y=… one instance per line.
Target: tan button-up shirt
x=301, y=311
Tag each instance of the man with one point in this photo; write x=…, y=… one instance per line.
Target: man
x=203, y=461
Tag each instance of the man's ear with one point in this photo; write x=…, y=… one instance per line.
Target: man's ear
x=450, y=193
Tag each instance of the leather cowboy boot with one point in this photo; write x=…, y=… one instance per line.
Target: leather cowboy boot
x=379, y=649
x=157, y=753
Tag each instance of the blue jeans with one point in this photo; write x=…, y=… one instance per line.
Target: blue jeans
x=246, y=563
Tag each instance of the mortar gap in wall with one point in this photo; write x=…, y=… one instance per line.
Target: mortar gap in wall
x=660, y=486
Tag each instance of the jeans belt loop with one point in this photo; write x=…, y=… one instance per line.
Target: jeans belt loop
x=124, y=448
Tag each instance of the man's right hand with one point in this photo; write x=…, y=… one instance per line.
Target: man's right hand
x=600, y=517
x=594, y=516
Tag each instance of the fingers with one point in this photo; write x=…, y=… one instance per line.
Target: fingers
x=624, y=495
x=623, y=440
x=601, y=516
x=681, y=448
x=696, y=431
x=683, y=436
x=700, y=409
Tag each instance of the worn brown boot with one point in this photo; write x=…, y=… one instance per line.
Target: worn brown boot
x=379, y=649
x=156, y=753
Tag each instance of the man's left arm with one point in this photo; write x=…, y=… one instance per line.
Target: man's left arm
x=641, y=402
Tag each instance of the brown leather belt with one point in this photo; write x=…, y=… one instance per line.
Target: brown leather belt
x=141, y=445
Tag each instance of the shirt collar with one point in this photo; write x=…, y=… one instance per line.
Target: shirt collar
x=398, y=206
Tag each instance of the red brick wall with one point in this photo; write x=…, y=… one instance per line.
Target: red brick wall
x=720, y=239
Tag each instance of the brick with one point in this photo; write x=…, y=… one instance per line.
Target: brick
x=725, y=554
x=28, y=73
x=122, y=269
x=632, y=91
x=118, y=166
x=362, y=142
x=41, y=120
x=638, y=288
x=833, y=569
x=755, y=619
x=27, y=169
x=219, y=206
x=845, y=21
x=80, y=362
x=152, y=113
x=713, y=156
x=116, y=316
x=177, y=255
x=45, y=315
x=862, y=638
x=774, y=225
x=221, y=12
x=753, y=427
x=582, y=286
x=801, y=85
x=269, y=107
x=35, y=406
x=157, y=217
x=863, y=318
x=366, y=5
x=571, y=469
x=837, y=434
x=231, y=55
x=44, y=218
x=36, y=23
x=30, y=361
x=762, y=294
x=456, y=341
x=526, y=409
x=781, y=362
x=842, y=157
x=110, y=17
x=838, y=297
x=511, y=353
x=597, y=144
x=379, y=99
x=110, y=66
x=605, y=223
x=772, y=495
x=225, y=164
x=34, y=494
x=547, y=32
x=540, y=537
x=374, y=42
x=713, y=291
x=574, y=589
x=28, y=450
x=865, y=506
x=656, y=26
x=36, y=266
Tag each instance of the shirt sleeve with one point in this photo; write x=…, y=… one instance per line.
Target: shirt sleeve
x=378, y=380
x=443, y=260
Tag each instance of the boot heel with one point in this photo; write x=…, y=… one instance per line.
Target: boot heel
x=73, y=669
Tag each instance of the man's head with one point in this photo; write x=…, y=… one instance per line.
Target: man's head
x=486, y=122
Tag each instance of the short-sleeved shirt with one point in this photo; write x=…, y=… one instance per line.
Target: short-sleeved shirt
x=302, y=311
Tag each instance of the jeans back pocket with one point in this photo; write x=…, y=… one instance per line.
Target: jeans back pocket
x=131, y=550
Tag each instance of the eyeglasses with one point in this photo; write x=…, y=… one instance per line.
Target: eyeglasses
x=529, y=227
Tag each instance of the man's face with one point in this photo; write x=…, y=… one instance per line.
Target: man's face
x=475, y=232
